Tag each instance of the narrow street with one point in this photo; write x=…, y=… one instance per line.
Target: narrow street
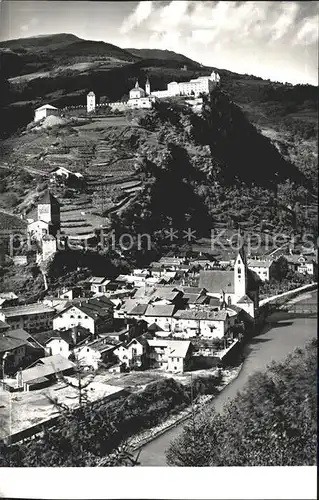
x=280, y=336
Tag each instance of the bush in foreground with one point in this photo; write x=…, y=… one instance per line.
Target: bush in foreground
x=272, y=422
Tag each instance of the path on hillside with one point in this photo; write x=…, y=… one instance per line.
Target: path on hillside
x=279, y=337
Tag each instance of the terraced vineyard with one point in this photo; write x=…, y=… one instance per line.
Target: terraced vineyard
x=102, y=150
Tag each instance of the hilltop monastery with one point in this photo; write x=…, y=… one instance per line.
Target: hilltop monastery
x=140, y=98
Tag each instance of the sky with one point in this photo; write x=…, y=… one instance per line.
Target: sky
x=275, y=40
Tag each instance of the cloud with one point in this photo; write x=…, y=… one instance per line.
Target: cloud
x=308, y=32
x=224, y=33
x=140, y=14
x=204, y=22
x=285, y=21
x=31, y=24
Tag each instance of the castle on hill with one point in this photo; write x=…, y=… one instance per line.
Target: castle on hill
x=140, y=98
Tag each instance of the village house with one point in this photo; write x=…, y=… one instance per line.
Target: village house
x=8, y=299
x=203, y=261
x=303, y=264
x=239, y=286
x=133, y=354
x=43, y=372
x=99, y=284
x=170, y=355
x=265, y=269
x=92, y=354
x=167, y=295
x=34, y=317
x=96, y=315
x=203, y=322
x=65, y=176
x=44, y=111
x=18, y=348
x=172, y=263
x=161, y=314
x=64, y=342
x=4, y=327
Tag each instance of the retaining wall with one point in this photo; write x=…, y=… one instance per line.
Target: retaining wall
x=289, y=294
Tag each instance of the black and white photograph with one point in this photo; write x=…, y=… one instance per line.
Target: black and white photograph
x=158, y=249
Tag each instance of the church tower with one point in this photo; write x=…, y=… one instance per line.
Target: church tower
x=90, y=102
x=147, y=88
x=240, y=274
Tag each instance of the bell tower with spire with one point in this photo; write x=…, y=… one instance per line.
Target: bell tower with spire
x=240, y=274
x=147, y=87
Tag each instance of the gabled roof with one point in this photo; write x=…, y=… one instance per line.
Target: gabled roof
x=46, y=106
x=94, y=308
x=154, y=327
x=215, y=281
x=193, y=289
x=47, y=366
x=259, y=263
x=4, y=326
x=98, y=345
x=160, y=310
x=35, y=308
x=98, y=280
x=245, y=300
x=299, y=259
x=178, y=348
x=10, y=341
x=138, y=309
x=8, y=295
x=141, y=340
x=202, y=314
x=171, y=261
x=166, y=293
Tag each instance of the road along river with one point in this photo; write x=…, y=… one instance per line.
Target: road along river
x=281, y=334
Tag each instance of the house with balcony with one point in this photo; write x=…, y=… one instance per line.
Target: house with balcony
x=170, y=355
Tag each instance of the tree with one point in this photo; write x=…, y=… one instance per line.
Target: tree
x=196, y=444
x=271, y=422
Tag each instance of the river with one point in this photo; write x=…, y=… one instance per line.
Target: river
x=282, y=333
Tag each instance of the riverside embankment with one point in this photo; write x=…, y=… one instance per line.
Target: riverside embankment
x=280, y=335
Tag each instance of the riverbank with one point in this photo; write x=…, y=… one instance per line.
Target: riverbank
x=280, y=336
x=141, y=439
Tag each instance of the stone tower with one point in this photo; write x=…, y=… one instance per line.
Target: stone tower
x=90, y=102
x=240, y=274
x=49, y=211
x=147, y=88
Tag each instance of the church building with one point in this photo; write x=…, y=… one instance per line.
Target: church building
x=238, y=287
x=140, y=98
